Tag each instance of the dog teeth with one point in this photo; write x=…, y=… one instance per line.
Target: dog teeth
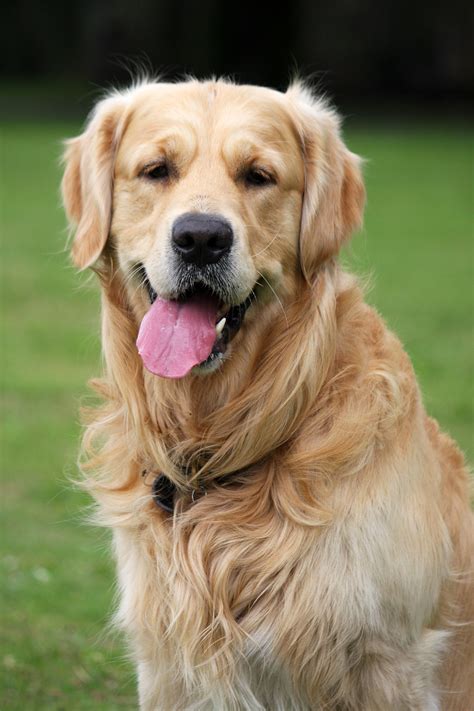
x=220, y=326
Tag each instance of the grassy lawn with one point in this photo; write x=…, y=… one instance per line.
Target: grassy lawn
x=57, y=579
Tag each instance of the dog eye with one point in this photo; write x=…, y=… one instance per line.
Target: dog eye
x=256, y=177
x=157, y=172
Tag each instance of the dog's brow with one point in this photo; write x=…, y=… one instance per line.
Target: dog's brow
x=169, y=144
x=266, y=145
x=245, y=152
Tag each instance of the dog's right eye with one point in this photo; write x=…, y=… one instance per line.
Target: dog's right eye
x=157, y=172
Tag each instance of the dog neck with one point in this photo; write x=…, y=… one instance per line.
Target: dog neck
x=228, y=420
x=167, y=496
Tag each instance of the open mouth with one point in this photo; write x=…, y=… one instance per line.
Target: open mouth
x=194, y=330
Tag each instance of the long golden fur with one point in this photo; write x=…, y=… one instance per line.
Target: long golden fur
x=333, y=572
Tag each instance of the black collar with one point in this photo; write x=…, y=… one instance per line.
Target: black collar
x=164, y=491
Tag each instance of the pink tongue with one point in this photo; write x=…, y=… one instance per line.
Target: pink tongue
x=176, y=336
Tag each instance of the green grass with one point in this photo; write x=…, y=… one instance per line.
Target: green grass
x=58, y=579
x=418, y=245
x=58, y=576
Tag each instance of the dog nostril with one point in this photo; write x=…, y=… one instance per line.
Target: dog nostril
x=218, y=242
x=201, y=239
x=184, y=240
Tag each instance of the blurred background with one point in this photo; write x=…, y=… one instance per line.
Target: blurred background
x=401, y=74
x=364, y=52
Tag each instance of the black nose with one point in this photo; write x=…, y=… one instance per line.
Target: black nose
x=201, y=239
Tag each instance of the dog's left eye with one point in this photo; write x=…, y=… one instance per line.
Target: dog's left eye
x=256, y=177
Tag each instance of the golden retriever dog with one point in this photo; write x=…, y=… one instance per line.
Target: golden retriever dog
x=291, y=530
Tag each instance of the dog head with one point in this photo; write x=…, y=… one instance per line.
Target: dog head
x=212, y=200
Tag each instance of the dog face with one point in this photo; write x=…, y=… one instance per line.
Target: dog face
x=208, y=187
x=214, y=199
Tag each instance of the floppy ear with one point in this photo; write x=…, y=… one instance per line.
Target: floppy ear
x=88, y=180
x=334, y=193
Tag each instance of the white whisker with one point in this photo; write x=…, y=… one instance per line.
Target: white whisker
x=276, y=297
x=268, y=245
